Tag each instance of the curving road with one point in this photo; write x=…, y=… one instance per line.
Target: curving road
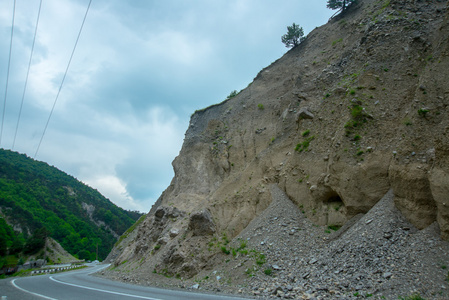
x=79, y=285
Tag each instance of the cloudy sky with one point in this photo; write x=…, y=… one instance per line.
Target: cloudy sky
x=140, y=69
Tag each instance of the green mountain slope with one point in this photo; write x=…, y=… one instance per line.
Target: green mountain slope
x=34, y=195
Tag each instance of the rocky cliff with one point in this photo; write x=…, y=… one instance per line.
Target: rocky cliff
x=357, y=109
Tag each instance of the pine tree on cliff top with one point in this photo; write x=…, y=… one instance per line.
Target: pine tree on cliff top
x=339, y=4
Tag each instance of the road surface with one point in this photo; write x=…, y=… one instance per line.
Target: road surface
x=79, y=285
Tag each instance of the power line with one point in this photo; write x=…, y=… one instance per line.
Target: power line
x=63, y=78
x=28, y=72
x=7, y=76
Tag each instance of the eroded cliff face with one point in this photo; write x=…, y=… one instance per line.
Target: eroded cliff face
x=358, y=108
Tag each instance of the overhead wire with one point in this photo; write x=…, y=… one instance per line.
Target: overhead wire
x=63, y=79
x=7, y=74
x=28, y=73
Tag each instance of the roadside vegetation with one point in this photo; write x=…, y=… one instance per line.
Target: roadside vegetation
x=39, y=201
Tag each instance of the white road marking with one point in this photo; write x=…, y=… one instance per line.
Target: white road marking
x=26, y=291
x=103, y=291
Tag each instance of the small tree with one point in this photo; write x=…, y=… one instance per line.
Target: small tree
x=293, y=37
x=339, y=4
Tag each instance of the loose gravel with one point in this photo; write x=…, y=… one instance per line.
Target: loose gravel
x=281, y=254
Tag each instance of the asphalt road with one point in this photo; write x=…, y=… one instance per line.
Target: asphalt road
x=79, y=285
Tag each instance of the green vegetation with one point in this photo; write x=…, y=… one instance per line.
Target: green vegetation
x=305, y=144
x=261, y=259
x=356, y=111
x=337, y=41
x=268, y=272
x=225, y=239
x=47, y=202
x=232, y=94
x=130, y=229
x=333, y=227
x=249, y=272
x=305, y=133
x=339, y=4
x=385, y=4
x=423, y=112
x=294, y=36
x=358, y=119
x=260, y=106
x=225, y=250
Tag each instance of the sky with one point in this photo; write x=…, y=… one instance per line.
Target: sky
x=139, y=70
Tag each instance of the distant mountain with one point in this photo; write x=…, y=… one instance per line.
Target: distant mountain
x=39, y=200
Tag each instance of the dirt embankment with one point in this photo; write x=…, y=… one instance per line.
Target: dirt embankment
x=358, y=109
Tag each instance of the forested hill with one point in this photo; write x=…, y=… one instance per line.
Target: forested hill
x=34, y=195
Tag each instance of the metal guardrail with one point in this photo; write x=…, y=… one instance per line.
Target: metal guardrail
x=53, y=270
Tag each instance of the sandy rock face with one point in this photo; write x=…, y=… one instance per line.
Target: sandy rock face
x=439, y=184
x=359, y=108
x=413, y=195
x=201, y=223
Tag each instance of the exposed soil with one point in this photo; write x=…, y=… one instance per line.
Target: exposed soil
x=355, y=114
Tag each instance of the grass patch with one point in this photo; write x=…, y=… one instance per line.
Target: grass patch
x=305, y=144
x=261, y=259
x=356, y=111
x=333, y=227
x=130, y=229
x=249, y=272
x=225, y=250
x=337, y=41
x=225, y=239
x=358, y=118
x=422, y=112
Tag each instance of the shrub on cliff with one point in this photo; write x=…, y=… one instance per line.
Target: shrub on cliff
x=339, y=4
x=294, y=36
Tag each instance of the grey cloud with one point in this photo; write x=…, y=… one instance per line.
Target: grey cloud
x=140, y=69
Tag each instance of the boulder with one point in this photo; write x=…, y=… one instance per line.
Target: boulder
x=201, y=223
x=304, y=113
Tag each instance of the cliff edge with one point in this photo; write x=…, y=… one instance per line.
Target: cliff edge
x=358, y=109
